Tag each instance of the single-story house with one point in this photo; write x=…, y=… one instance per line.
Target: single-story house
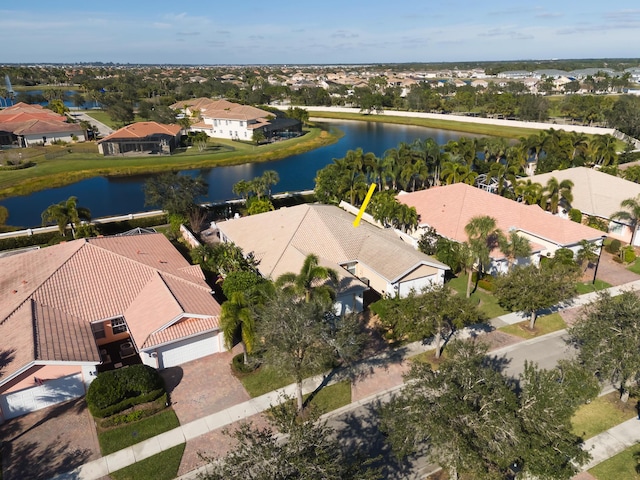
x=597, y=194
x=88, y=305
x=141, y=137
x=224, y=119
x=448, y=209
x=364, y=257
x=23, y=125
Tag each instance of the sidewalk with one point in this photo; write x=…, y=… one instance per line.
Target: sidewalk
x=601, y=447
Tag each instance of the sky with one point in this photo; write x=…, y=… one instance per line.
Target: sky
x=321, y=32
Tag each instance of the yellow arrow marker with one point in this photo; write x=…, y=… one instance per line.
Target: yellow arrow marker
x=356, y=222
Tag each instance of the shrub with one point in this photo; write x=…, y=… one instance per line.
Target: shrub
x=628, y=254
x=613, y=247
x=487, y=284
x=575, y=215
x=238, y=365
x=617, y=259
x=30, y=240
x=129, y=417
x=114, y=391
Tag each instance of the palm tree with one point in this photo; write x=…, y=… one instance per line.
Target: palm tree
x=630, y=215
x=530, y=192
x=514, y=246
x=587, y=254
x=453, y=172
x=236, y=314
x=482, y=234
x=270, y=178
x=604, y=149
x=556, y=193
x=306, y=284
x=66, y=213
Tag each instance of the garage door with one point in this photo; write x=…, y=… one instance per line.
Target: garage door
x=187, y=350
x=31, y=399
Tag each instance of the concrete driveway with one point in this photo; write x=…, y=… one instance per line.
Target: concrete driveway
x=48, y=442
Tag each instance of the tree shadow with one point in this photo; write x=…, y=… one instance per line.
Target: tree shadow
x=22, y=460
x=16, y=426
x=359, y=434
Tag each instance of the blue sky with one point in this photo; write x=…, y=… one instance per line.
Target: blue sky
x=328, y=32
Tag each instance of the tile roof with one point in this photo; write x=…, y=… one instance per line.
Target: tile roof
x=449, y=208
x=49, y=297
x=288, y=235
x=25, y=119
x=594, y=192
x=222, y=109
x=143, y=130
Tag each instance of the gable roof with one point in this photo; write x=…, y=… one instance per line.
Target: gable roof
x=143, y=130
x=449, y=209
x=49, y=297
x=281, y=240
x=594, y=192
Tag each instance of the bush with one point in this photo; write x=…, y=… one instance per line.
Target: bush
x=129, y=417
x=628, y=254
x=575, y=215
x=238, y=365
x=613, y=247
x=487, y=284
x=617, y=259
x=114, y=391
x=49, y=238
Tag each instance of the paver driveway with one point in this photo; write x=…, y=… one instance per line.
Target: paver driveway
x=48, y=442
x=204, y=386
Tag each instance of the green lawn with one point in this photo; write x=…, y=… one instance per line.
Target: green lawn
x=601, y=414
x=264, y=380
x=486, y=301
x=79, y=165
x=621, y=466
x=545, y=324
x=444, y=124
x=163, y=466
x=120, y=437
x=588, y=287
x=635, y=266
x=331, y=397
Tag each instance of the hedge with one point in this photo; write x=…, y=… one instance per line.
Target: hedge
x=116, y=390
x=120, y=419
x=113, y=228
x=48, y=238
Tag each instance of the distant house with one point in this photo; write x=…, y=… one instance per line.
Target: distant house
x=364, y=257
x=597, y=194
x=448, y=209
x=224, y=119
x=140, y=138
x=24, y=125
x=73, y=309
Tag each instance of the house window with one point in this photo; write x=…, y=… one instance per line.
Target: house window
x=242, y=124
x=118, y=325
x=98, y=330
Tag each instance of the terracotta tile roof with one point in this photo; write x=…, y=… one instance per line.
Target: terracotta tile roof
x=143, y=130
x=24, y=119
x=49, y=297
x=185, y=327
x=594, y=192
x=222, y=109
x=449, y=208
x=287, y=235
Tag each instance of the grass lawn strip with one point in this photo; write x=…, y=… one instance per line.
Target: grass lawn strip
x=331, y=397
x=588, y=287
x=601, y=414
x=635, y=266
x=443, y=124
x=545, y=324
x=620, y=466
x=129, y=434
x=162, y=466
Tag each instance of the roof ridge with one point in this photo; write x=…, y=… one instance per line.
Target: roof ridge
x=308, y=207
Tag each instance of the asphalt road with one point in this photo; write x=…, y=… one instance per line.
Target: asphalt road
x=358, y=427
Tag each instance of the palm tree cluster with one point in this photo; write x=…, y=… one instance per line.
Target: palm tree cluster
x=258, y=187
x=66, y=213
x=492, y=163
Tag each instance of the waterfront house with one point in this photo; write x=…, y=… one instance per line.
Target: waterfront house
x=448, y=209
x=141, y=138
x=365, y=257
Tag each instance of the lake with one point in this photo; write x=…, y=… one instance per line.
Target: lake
x=106, y=196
